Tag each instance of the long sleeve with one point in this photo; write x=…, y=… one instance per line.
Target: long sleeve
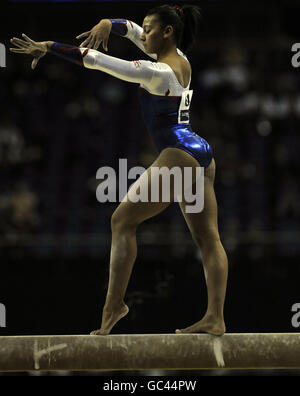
x=135, y=71
x=130, y=30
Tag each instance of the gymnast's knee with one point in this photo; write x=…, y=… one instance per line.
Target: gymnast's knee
x=121, y=223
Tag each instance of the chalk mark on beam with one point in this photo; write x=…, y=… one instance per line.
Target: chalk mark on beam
x=37, y=354
x=218, y=352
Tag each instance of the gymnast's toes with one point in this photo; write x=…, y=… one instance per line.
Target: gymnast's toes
x=99, y=332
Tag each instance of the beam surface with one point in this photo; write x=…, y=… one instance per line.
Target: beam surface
x=150, y=351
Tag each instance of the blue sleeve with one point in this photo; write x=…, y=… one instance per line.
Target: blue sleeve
x=119, y=26
x=67, y=52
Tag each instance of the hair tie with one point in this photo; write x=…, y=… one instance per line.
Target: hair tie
x=179, y=11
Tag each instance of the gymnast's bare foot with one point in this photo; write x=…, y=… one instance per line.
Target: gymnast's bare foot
x=208, y=325
x=110, y=318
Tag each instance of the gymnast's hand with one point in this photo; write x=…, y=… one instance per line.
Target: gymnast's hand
x=28, y=46
x=99, y=34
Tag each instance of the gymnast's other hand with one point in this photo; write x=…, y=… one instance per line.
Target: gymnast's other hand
x=99, y=34
x=28, y=46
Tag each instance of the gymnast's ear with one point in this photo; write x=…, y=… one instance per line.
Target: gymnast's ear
x=168, y=30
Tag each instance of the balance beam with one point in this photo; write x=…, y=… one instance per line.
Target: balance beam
x=150, y=351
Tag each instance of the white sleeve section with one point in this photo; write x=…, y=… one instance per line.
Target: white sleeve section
x=132, y=71
x=134, y=32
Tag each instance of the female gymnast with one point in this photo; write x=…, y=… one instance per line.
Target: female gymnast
x=167, y=33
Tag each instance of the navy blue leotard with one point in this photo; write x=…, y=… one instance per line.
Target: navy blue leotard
x=161, y=119
x=160, y=112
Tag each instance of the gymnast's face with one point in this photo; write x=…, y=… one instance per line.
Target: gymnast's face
x=154, y=36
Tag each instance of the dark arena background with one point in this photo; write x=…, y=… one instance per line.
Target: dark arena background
x=60, y=123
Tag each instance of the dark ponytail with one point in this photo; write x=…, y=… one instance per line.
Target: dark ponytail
x=185, y=21
x=191, y=21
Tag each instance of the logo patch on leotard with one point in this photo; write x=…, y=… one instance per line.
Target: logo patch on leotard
x=184, y=108
x=137, y=64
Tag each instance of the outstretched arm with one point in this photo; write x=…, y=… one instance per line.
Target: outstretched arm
x=136, y=71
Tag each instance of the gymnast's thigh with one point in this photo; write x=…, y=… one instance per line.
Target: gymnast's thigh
x=204, y=225
x=133, y=213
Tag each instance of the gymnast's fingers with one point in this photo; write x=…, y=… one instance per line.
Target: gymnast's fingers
x=105, y=44
x=83, y=34
x=97, y=43
x=19, y=43
x=19, y=50
x=91, y=43
x=34, y=63
x=85, y=42
x=27, y=38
